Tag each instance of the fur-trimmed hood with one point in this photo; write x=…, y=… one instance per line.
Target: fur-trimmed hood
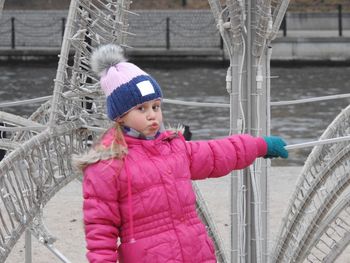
x=103, y=149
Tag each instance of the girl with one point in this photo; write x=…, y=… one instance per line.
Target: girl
x=137, y=179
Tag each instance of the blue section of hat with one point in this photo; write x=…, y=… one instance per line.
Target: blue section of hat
x=128, y=95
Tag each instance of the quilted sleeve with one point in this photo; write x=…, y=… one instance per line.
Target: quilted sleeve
x=215, y=158
x=101, y=212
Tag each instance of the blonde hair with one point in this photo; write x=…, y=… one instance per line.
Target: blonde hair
x=117, y=150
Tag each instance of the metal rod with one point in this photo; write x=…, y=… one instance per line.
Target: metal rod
x=234, y=82
x=13, y=33
x=250, y=247
x=57, y=253
x=319, y=142
x=340, y=22
x=193, y=103
x=284, y=25
x=63, y=27
x=1, y=6
x=28, y=247
x=266, y=163
x=60, y=73
x=24, y=102
x=2, y=136
x=278, y=15
x=291, y=102
x=168, y=33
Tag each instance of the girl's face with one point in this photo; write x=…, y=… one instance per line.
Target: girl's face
x=146, y=118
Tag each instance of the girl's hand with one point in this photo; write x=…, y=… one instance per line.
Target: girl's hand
x=275, y=147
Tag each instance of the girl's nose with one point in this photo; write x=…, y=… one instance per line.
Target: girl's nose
x=151, y=115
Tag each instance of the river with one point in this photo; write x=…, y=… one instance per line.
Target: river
x=206, y=83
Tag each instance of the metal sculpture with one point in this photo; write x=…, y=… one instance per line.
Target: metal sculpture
x=37, y=161
x=247, y=28
x=316, y=226
x=39, y=149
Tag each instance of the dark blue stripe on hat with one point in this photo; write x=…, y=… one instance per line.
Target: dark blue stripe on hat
x=128, y=95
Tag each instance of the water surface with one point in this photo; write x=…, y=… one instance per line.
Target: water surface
x=206, y=83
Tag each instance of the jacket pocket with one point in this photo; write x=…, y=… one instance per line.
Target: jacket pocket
x=139, y=252
x=131, y=252
x=160, y=253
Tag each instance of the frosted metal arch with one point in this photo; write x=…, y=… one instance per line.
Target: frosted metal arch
x=38, y=162
x=323, y=178
x=31, y=175
x=336, y=222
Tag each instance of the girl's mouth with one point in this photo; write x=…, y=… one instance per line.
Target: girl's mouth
x=154, y=125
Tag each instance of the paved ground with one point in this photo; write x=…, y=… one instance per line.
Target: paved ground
x=63, y=215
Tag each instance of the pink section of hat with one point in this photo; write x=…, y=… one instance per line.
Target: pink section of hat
x=118, y=75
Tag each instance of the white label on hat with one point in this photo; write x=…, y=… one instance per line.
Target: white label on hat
x=145, y=87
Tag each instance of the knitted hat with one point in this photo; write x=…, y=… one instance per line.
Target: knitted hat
x=124, y=84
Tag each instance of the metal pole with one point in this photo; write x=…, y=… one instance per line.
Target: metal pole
x=57, y=253
x=63, y=26
x=255, y=95
x=1, y=6
x=13, y=33
x=2, y=136
x=235, y=177
x=28, y=247
x=340, y=22
x=265, y=108
x=60, y=73
x=250, y=245
x=284, y=25
x=167, y=33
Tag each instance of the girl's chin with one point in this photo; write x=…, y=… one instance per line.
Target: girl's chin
x=151, y=133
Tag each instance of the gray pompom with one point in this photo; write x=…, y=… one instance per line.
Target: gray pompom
x=106, y=56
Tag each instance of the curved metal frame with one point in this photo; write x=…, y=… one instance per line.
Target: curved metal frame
x=31, y=175
x=335, y=223
x=37, y=168
x=317, y=174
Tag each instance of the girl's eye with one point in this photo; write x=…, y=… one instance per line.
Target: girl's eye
x=156, y=107
x=141, y=108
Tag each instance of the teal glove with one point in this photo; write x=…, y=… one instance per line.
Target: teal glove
x=275, y=147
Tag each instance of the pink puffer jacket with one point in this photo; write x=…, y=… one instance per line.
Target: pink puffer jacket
x=147, y=200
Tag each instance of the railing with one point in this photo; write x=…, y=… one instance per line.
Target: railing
x=165, y=29
x=335, y=11
x=159, y=29
x=169, y=30
x=52, y=26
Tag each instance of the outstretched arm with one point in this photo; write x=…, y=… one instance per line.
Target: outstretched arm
x=101, y=213
x=216, y=158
